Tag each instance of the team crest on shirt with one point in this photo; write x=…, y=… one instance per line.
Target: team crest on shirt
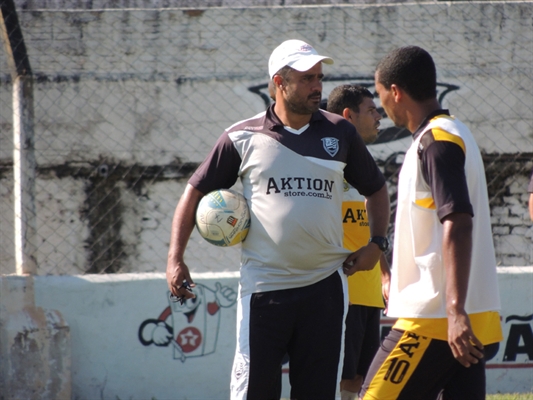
x=331, y=145
x=345, y=185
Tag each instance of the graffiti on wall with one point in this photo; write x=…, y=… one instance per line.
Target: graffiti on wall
x=519, y=344
x=191, y=328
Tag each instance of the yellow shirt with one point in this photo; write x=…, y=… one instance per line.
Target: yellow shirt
x=364, y=287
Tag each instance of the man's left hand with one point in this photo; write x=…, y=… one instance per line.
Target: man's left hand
x=363, y=259
x=466, y=347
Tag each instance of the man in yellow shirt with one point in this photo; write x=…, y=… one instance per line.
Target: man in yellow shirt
x=366, y=289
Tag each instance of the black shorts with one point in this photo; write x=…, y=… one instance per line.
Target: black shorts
x=411, y=367
x=307, y=324
x=361, y=340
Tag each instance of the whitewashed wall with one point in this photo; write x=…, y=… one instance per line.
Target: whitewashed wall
x=122, y=333
x=157, y=87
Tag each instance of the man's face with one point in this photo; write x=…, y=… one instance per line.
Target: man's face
x=388, y=103
x=303, y=90
x=366, y=121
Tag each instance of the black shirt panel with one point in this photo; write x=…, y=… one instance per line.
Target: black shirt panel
x=221, y=166
x=443, y=168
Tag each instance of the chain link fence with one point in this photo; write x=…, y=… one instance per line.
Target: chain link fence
x=128, y=101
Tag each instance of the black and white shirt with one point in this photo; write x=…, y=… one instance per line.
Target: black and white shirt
x=293, y=182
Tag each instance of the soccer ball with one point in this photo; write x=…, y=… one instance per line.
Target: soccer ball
x=223, y=217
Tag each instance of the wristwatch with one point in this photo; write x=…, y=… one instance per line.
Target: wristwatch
x=382, y=242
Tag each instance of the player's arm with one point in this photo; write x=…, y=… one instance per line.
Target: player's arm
x=207, y=177
x=182, y=227
x=385, y=279
x=443, y=168
x=456, y=254
x=378, y=212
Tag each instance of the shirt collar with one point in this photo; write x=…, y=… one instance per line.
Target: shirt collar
x=272, y=121
x=426, y=121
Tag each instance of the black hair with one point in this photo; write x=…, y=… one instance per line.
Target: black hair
x=412, y=69
x=347, y=96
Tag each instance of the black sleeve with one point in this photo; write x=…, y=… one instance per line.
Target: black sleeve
x=443, y=167
x=361, y=170
x=220, y=169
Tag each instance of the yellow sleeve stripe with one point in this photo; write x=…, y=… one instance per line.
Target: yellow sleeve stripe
x=426, y=203
x=442, y=135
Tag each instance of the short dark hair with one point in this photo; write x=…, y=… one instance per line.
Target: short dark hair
x=272, y=90
x=347, y=96
x=285, y=72
x=412, y=69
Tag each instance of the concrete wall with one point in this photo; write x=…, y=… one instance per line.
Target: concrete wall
x=120, y=94
x=34, y=345
x=129, y=342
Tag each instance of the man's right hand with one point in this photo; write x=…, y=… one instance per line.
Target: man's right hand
x=182, y=226
x=177, y=273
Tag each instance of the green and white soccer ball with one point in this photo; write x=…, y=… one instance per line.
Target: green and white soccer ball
x=223, y=217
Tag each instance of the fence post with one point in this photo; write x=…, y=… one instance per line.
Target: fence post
x=35, y=345
x=23, y=141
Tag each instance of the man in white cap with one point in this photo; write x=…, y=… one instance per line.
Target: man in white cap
x=292, y=160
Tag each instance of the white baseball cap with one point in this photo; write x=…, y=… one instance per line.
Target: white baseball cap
x=296, y=54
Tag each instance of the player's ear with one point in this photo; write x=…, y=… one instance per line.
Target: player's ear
x=397, y=92
x=346, y=114
x=278, y=81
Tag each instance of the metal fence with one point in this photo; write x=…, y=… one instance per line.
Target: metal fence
x=127, y=102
